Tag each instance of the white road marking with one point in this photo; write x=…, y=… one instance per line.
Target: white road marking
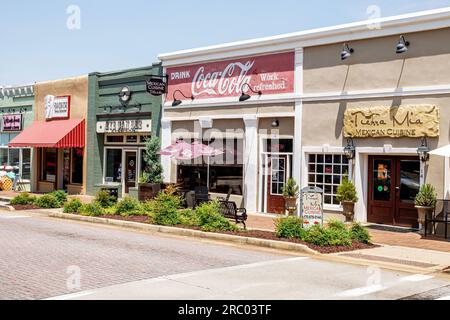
x=357, y=292
x=72, y=296
x=416, y=278
x=180, y=276
x=13, y=217
x=447, y=298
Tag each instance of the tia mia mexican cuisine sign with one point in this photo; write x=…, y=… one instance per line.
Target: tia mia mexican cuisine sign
x=413, y=121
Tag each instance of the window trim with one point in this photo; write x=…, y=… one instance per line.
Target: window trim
x=327, y=206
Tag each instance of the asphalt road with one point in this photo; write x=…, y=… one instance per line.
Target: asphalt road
x=43, y=258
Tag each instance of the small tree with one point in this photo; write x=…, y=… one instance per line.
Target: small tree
x=291, y=189
x=153, y=168
x=346, y=192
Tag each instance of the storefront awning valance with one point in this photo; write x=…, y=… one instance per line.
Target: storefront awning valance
x=52, y=134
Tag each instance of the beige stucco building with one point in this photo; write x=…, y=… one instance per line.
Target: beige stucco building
x=58, y=136
x=394, y=71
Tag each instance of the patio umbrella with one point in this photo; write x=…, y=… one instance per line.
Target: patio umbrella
x=443, y=152
x=185, y=151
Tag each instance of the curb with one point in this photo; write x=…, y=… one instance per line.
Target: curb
x=272, y=244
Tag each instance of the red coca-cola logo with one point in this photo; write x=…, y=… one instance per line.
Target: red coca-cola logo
x=271, y=74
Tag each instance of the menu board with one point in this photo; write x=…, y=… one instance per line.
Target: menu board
x=312, y=207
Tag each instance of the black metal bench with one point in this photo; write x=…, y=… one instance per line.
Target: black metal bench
x=229, y=210
x=441, y=215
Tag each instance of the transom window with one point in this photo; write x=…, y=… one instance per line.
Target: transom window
x=326, y=171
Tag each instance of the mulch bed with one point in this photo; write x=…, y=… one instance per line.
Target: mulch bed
x=25, y=207
x=267, y=235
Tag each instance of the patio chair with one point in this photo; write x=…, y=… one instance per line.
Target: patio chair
x=201, y=195
x=440, y=215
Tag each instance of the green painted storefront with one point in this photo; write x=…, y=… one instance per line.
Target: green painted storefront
x=121, y=115
x=16, y=113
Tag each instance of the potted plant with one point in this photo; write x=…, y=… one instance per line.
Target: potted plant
x=425, y=202
x=151, y=179
x=347, y=196
x=291, y=192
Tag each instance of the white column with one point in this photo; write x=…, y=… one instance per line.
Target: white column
x=166, y=140
x=446, y=178
x=297, y=164
x=251, y=163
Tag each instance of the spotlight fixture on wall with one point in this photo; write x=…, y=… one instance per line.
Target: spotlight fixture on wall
x=346, y=52
x=275, y=123
x=244, y=96
x=177, y=102
x=350, y=150
x=402, y=45
x=424, y=151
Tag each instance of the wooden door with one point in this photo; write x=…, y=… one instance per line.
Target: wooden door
x=278, y=175
x=393, y=185
x=131, y=170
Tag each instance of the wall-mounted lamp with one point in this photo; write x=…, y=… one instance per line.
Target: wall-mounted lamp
x=244, y=96
x=346, y=52
x=275, y=123
x=350, y=150
x=402, y=45
x=424, y=151
x=177, y=102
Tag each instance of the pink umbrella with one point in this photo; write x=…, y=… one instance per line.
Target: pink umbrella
x=185, y=151
x=175, y=149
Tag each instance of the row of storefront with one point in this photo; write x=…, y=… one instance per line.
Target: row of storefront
x=315, y=106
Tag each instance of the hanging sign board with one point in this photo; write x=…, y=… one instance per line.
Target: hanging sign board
x=312, y=207
x=57, y=107
x=12, y=122
x=124, y=126
x=156, y=86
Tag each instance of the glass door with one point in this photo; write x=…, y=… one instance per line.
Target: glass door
x=131, y=170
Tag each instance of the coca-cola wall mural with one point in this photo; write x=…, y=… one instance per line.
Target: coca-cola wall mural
x=271, y=74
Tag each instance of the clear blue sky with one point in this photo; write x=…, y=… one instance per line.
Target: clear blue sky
x=36, y=45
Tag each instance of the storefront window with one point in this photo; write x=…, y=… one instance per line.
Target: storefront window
x=113, y=165
x=26, y=164
x=4, y=156
x=14, y=159
x=326, y=172
x=49, y=164
x=225, y=171
x=77, y=165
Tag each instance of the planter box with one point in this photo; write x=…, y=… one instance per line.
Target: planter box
x=148, y=191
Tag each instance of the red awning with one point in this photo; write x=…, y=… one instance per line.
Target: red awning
x=52, y=134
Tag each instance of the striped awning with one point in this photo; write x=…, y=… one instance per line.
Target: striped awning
x=52, y=134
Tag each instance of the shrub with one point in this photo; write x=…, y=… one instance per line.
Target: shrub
x=164, y=209
x=327, y=237
x=61, y=196
x=73, y=206
x=105, y=200
x=91, y=209
x=48, y=201
x=290, y=228
x=128, y=206
x=153, y=168
x=210, y=219
x=336, y=224
x=347, y=191
x=188, y=217
x=23, y=199
x=426, y=196
x=291, y=189
x=359, y=233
